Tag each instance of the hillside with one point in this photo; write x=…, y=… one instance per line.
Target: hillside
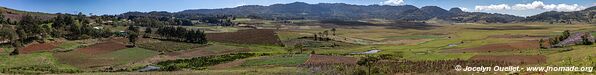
x=322, y=11
x=587, y=15
x=16, y=15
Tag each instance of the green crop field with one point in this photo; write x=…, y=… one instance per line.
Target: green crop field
x=279, y=60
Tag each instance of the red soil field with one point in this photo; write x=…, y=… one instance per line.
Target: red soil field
x=104, y=47
x=517, y=59
x=501, y=47
x=39, y=47
x=252, y=36
x=324, y=59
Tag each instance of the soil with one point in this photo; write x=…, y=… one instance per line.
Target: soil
x=48, y=46
x=252, y=36
x=104, y=47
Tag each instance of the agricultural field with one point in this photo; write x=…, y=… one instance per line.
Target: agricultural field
x=244, y=51
x=268, y=37
x=367, y=37
x=169, y=46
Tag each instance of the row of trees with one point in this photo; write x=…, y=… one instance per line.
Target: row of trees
x=324, y=36
x=182, y=34
x=219, y=20
x=157, y=19
x=77, y=27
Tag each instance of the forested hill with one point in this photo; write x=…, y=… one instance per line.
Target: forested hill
x=16, y=15
x=587, y=15
x=300, y=10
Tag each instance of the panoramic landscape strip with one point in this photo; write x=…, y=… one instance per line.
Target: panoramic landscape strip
x=387, y=37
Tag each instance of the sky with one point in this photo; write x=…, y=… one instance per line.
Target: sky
x=111, y=7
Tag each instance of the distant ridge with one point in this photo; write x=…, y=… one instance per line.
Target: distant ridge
x=587, y=15
x=15, y=15
x=301, y=10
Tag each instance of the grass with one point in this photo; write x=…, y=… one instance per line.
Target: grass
x=288, y=35
x=169, y=46
x=88, y=61
x=236, y=71
x=217, y=48
x=34, y=63
x=202, y=62
x=255, y=48
x=131, y=54
x=279, y=60
x=69, y=45
x=414, y=37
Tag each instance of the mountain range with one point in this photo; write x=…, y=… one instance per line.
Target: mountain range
x=342, y=11
x=300, y=10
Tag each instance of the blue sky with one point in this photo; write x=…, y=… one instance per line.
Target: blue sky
x=514, y=7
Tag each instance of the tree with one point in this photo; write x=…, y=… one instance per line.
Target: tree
x=8, y=33
x=368, y=61
x=132, y=35
x=2, y=21
x=565, y=35
x=555, y=40
x=316, y=37
x=148, y=31
x=541, y=42
x=586, y=40
x=299, y=47
x=17, y=45
x=333, y=30
x=31, y=25
x=320, y=36
x=326, y=32
x=182, y=34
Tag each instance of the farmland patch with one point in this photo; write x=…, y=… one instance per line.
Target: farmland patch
x=203, y=62
x=104, y=47
x=253, y=36
x=325, y=59
x=279, y=60
x=517, y=59
x=39, y=47
x=500, y=47
x=509, y=28
x=517, y=36
x=100, y=61
x=33, y=63
x=169, y=46
x=207, y=51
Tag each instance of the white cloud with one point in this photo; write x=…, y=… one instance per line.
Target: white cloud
x=242, y=4
x=564, y=7
x=531, y=6
x=493, y=7
x=464, y=9
x=393, y=2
